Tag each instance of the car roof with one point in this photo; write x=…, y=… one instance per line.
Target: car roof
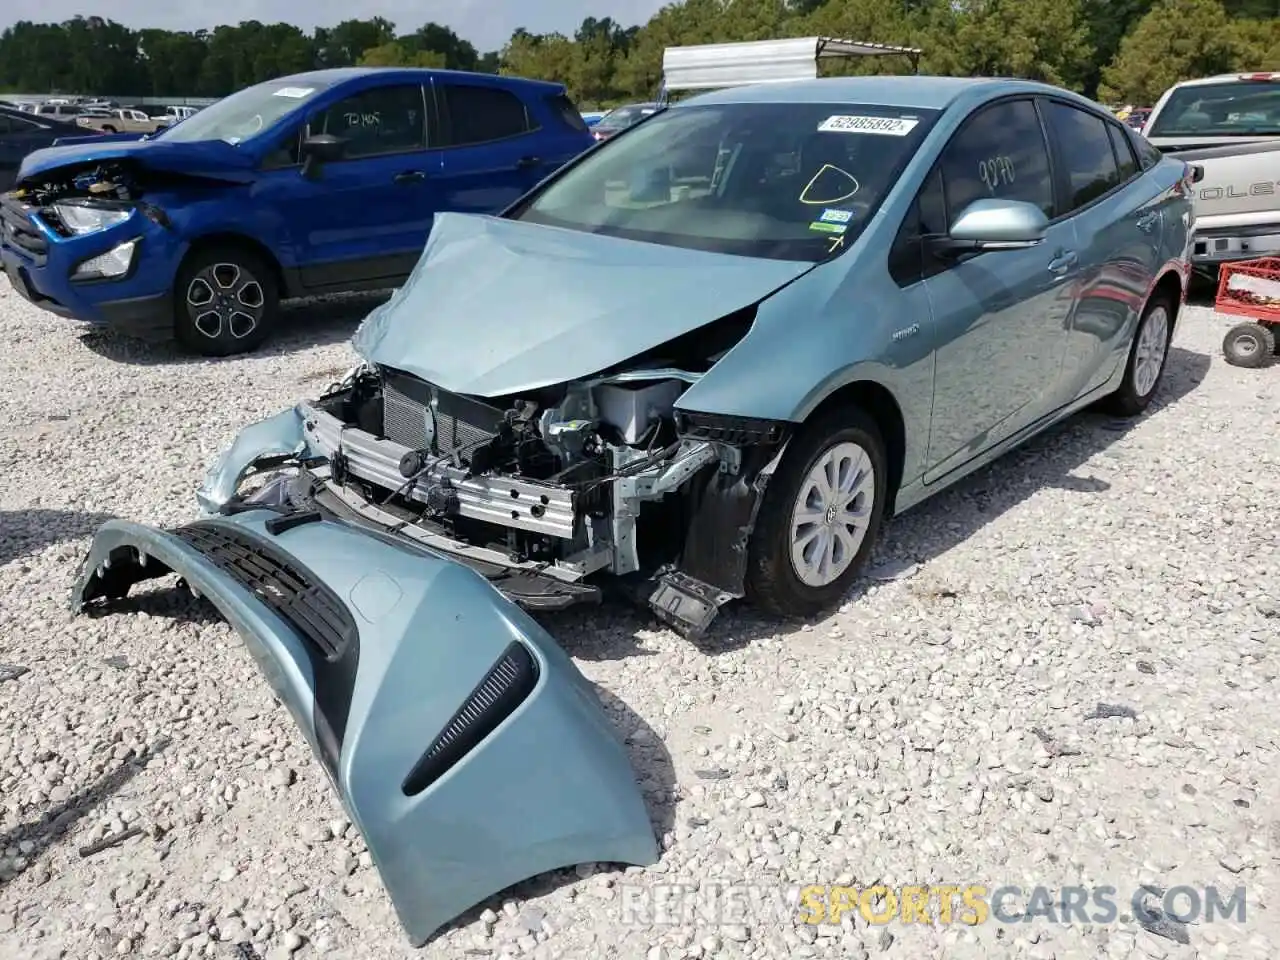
x=1240, y=76
x=920, y=92
x=414, y=74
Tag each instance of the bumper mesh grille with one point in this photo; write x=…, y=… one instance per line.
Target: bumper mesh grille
x=17, y=230
x=289, y=589
x=507, y=684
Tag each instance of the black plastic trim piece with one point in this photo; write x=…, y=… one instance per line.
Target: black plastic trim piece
x=508, y=684
x=279, y=581
x=740, y=431
x=278, y=525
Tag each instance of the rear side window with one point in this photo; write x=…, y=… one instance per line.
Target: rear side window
x=999, y=152
x=483, y=114
x=563, y=108
x=1124, y=152
x=1148, y=155
x=1085, y=148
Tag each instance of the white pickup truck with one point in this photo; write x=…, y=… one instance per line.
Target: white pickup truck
x=1229, y=126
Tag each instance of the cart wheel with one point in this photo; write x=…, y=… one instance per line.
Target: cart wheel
x=1248, y=345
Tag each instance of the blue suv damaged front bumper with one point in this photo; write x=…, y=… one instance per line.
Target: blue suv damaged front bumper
x=119, y=274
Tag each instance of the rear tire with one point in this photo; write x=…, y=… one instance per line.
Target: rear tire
x=821, y=514
x=1249, y=345
x=1148, y=355
x=226, y=301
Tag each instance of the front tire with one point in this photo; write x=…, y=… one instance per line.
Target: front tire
x=226, y=301
x=1148, y=356
x=821, y=514
x=1249, y=345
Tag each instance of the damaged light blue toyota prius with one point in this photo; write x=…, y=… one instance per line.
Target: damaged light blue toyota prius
x=709, y=357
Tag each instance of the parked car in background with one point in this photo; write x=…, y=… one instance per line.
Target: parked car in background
x=21, y=133
x=1229, y=127
x=619, y=118
x=60, y=110
x=122, y=121
x=175, y=113
x=1137, y=118
x=317, y=183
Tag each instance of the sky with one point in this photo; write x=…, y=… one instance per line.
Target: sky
x=488, y=24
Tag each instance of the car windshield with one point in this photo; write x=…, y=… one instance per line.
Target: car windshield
x=625, y=116
x=1240, y=109
x=243, y=114
x=784, y=181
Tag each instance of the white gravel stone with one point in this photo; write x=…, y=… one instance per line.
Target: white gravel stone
x=931, y=730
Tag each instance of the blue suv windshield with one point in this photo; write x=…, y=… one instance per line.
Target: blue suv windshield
x=243, y=114
x=785, y=181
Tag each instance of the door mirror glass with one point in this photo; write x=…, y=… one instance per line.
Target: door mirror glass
x=323, y=148
x=992, y=224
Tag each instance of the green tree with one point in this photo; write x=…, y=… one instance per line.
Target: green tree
x=458, y=54
x=1108, y=23
x=1043, y=40
x=345, y=44
x=395, y=54
x=172, y=61
x=1177, y=40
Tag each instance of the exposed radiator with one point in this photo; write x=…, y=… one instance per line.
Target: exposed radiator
x=410, y=417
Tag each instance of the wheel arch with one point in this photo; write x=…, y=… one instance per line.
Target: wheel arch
x=879, y=403
x=230, y=238
x=1171, y=286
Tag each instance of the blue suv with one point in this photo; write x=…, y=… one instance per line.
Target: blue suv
x=322, y=182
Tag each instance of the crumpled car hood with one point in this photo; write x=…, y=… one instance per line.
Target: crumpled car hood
x=214, y=158
x=465, y=745
x=496, y=307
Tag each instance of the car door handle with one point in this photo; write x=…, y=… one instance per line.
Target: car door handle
x=1146, y=223
x=525, y=162
x=409, y=176
x=1063, y=262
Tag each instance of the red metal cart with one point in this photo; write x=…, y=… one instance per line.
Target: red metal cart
x=1250, y=288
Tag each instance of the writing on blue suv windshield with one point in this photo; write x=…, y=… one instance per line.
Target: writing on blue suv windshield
x=784, y=181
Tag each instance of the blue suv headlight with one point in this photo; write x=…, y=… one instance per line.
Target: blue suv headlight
x=81, y=218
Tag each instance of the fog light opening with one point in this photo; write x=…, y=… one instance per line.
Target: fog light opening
x=111, y=265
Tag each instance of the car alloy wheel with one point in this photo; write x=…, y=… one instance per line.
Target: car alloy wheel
x=1152, y=346
x=831, y=514
x=225, y=300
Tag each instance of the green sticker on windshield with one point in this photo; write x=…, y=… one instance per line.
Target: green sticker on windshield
x=821, y=226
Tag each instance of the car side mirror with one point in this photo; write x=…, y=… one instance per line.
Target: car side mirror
x=321, y=148
x=992, y=224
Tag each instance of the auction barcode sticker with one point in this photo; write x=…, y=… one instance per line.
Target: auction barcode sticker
x=889, y=126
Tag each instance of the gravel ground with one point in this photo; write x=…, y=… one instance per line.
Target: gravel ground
x=940, y=727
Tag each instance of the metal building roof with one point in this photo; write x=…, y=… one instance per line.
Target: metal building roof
x=713, y=65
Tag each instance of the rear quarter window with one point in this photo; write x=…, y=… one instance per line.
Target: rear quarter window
x=563, y=108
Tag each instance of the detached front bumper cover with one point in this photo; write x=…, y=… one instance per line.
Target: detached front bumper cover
x=465, y=745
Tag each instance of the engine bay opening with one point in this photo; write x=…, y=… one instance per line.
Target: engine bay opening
x=592, y=476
